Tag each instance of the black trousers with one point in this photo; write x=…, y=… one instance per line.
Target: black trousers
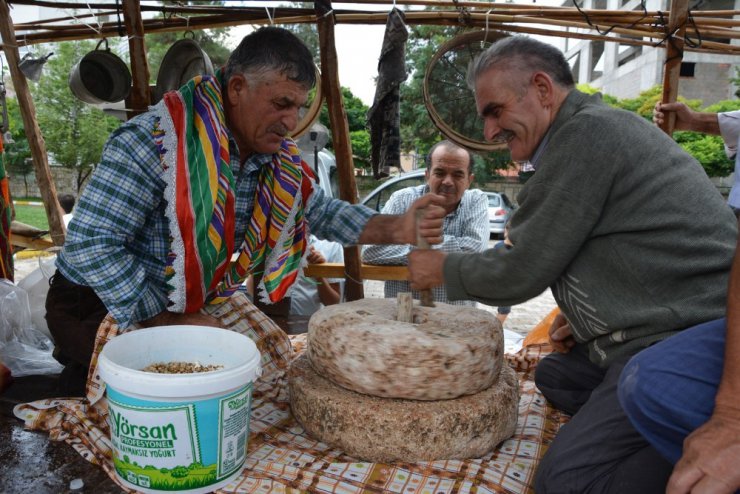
x=73, y=314
x=598, y=450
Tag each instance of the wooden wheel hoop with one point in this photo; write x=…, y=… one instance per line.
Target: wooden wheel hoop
x=313, y=111
x=447, y=131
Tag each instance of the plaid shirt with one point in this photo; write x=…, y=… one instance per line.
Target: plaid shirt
x=465, y=230
x=118, y=240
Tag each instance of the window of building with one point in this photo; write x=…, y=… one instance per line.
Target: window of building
x=687, y=69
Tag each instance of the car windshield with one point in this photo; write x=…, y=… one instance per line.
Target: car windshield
x=494, y=201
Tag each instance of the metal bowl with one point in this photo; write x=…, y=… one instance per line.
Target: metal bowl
x=184, y=60
x=100, y=77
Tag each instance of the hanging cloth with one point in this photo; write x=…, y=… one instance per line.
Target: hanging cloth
x=384, y=117
x=193, y=142
x=6, y=216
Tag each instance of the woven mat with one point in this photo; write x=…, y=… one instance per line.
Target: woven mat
x=283, y=458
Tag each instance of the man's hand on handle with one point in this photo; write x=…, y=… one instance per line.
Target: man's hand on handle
x=560, y=335
x=430, y=222
x=426, y=268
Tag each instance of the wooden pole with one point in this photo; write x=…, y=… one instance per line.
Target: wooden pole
x=139, y=98
x=340, y=137
x=33, y=132
x=674, y=56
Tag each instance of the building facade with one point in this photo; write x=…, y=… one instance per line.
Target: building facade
x=624, y=71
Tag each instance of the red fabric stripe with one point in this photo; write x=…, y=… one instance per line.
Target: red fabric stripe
x=193, y=275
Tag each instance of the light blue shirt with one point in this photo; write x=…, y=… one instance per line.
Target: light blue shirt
x=729, y=127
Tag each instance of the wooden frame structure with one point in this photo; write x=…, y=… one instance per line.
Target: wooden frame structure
x=676, y=30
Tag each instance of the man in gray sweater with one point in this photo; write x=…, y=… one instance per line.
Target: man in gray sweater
x=625, y=227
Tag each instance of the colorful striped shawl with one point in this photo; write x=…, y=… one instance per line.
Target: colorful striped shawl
x=194, y=148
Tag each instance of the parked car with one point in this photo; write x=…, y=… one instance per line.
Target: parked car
x=379, y=196
x=500, y=208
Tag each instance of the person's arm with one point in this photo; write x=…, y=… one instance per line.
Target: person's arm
x=402, y=229
x=711, y=454
x=328, y=292
x=394, y=255
x=686, y=118
x=116, y=207
x=560, y=334
x=352, y=224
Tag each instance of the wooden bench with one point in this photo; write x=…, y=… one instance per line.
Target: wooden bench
x=368, y=272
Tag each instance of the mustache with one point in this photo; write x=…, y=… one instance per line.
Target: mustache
x=503, y=136
x=278, y=129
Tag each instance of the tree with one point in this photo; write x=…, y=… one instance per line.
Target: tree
x=308, y=33
x=360, y=140
x=418, y=132
x=75, y=132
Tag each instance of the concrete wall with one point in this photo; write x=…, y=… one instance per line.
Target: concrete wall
x=65, y=181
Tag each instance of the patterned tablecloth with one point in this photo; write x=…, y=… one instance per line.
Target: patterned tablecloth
x=282, y=457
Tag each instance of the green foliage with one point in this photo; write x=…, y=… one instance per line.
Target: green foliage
x=360, y=140
x=709, y=150
x=485, y=169
x=74, y=131
x=359, y=136
x=723, y=106
x=308, y=33
x=355, y=109
x=417, y=129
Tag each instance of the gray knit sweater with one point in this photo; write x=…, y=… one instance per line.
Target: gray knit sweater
x=624, y=226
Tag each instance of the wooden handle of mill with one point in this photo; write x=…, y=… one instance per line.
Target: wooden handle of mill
x=425, y=296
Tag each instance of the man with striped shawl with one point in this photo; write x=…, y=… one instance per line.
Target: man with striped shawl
x=208, y=175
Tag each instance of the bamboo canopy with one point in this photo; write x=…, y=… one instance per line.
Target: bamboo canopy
x=709, y=31
x=677, y=30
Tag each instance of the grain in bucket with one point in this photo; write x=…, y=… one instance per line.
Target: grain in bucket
x=179, y=432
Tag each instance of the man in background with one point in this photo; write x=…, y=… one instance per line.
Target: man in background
x=449, y=173
x=67, y=201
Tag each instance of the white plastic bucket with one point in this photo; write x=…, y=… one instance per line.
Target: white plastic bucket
x=179, y=432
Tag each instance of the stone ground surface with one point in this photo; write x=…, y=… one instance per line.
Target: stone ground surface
x=522, y=319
